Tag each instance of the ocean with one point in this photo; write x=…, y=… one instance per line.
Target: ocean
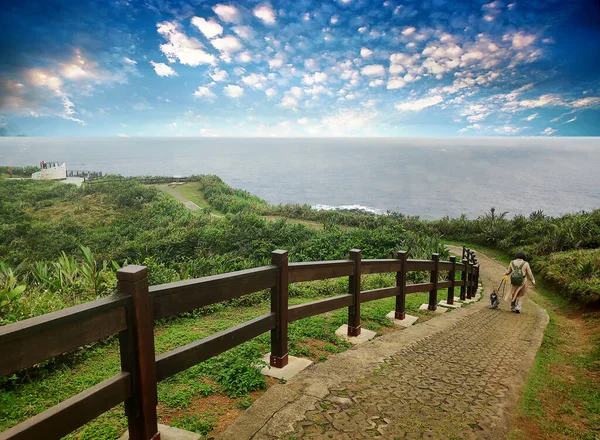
x=428, y=177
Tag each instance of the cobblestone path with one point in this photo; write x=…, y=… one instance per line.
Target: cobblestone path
x=451, y=385
x=457, y=376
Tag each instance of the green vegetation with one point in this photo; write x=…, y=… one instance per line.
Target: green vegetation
x=577, y=272
x=20, y=172
x=561, y=398
x=60, y=245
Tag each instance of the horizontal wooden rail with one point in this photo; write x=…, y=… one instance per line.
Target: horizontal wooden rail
x=182, y=296
x=319, y=270
x=444, y=284
x=445, y=265
x=380, y=266
x=413, y=265
x=58, y=421
x=317, y=307
x=28, y=342
x=372, y=295
x=131, y=314
x=189, y=355
x=414, y=288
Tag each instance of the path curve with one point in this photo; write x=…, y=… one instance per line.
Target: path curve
x=457, y=376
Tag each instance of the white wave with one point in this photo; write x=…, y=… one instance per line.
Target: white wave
x=320, y=207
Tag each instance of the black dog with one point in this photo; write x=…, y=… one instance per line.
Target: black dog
x=494, y=300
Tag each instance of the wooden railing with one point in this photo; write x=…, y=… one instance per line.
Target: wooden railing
x=131, y=314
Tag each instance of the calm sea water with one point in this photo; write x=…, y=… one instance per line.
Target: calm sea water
x=429, y=177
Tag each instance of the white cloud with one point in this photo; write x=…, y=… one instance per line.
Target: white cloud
x=362, y=29
x=376, y=83
x=549, y=131
x=303, y=121
x=408, y=31
x=209, y=28
x=520, y=40
x=296, y=91
x=233, y=91
x=244, y=32
x=365, y=53
x=369, y=104
x=311, y=64
x=204, y=91
x=181, y=47
x=255, y=80
x=548, y=100
x=571, y=120
x=276, y=63
x=244, y=57
x=219, y=75
x=123, y=135
x=348, y=122
x=129, y=61
x=531, y=117
x=289, y=102
x=227, y=45
x=317, y=77
x=227, y=13
x=585, y=102
x=315, y=90
x=334, y=19
x=73, y=71
x=265, y=13
x=162, y=69
x=396, y=83
x=373, y=70
x=270, y=92
x=508, y=129
x=419, y=104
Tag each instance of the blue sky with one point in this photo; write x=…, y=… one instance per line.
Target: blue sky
x=302, y=68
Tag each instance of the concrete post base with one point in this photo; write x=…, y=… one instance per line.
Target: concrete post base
x=170, y=433
x=444, y=303
x=439, y=310
x=475, y=299
x=406, y=322
x=295, y=365
x=365, y=335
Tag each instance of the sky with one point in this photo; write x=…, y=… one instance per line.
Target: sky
x=300, y=68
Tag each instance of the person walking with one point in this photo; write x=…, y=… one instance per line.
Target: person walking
x=519, y=272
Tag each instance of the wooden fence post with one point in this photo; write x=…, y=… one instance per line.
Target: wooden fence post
x=354, y=290
x=451, y=275
x=279, y=306
x=476, y=278
x=464, y=252
x=464, y=277
x=400, y=312
x=470, y=280
x=137, y=354
x=434, y=278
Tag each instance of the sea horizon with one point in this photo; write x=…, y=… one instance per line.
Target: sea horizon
x=428, y=177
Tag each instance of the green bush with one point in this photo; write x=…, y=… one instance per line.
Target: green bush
x=577, y=273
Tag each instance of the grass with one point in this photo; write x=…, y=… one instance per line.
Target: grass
x=561, y=398
x=308, y=223
x=202, y=398
x=191, y=191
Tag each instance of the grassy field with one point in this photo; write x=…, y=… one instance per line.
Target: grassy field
x=561, y=399
x=203, y=398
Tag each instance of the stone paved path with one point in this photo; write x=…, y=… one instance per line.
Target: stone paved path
x=457, y=378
